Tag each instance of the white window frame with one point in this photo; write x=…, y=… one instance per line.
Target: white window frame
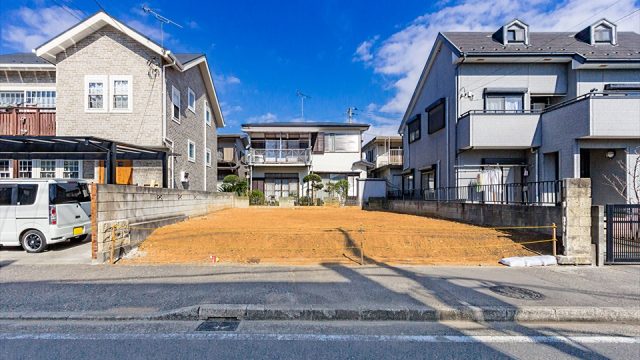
x=104, y=79
x=189, y=143
x=9, y=171
x=191, y=93
x=38, y=172
x=112, y=80
x=207, y=111
x=61, y=168
x=33, y=166
x=208, y=158
x=175, y=92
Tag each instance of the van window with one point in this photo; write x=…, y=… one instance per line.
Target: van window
x=66, y=193
x=27, y=194
x=5, y=194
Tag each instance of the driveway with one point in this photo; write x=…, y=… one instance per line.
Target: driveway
x=64, y=253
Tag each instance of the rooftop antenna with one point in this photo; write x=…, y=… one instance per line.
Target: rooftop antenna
x=351, y=112
x=162, y=20
x=302, y=97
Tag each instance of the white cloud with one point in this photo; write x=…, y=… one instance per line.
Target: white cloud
x=230, y=109
x=401, y=57
x=222, y=82
x=363, y=52
x=26, y=28
x=264, y=118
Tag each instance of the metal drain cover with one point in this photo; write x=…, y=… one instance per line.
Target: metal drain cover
x=218, y=325
x=517, y=292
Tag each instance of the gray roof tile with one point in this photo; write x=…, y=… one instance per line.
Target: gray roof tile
x=22, y=59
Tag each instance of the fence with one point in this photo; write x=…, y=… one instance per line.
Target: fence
x=623, y=233
x=531, y=193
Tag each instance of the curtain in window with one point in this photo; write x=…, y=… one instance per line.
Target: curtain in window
x=513, y=103
x=494, y=103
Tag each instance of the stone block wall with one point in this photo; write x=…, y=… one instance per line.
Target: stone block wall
x=576, y=222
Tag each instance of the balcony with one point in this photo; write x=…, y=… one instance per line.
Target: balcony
x=595, y=115
x=498, y=129
x=26, y=121
x=279, y=156
x=392, y=157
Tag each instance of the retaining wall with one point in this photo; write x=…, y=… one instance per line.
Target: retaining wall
x=143, y=209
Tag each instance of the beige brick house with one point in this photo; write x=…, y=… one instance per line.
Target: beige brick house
x=114, y=83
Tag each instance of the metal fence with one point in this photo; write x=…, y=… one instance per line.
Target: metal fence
x=623, y=233
x=531, y=193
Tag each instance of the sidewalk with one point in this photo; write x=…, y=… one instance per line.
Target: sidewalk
x=375, y=292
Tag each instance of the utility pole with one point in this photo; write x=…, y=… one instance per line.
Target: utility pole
x=162, y=20
x=302, y=97
x=351, y=112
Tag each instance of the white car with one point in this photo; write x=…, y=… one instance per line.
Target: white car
x=38, y=212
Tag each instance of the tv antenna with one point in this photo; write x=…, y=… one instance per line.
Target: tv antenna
x=162, y=20
x=351, y=112
x=302, y=97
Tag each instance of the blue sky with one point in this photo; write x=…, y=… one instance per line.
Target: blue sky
x=366, y=54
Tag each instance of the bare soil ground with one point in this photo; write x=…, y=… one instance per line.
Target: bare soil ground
x=321, y=235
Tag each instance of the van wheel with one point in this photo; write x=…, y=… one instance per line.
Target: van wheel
x=33, y=241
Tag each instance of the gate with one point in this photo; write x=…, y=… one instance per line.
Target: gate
x=623, y=234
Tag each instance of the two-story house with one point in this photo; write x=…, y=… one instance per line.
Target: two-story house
x=385, y=153
x=111, y=82
x=516, y=106
x=231, y=157
x=281, y=154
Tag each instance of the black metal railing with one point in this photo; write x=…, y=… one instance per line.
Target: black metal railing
x=531, y=193
x=623, y=233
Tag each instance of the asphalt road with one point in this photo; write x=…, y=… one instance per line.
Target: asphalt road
x=317, y=340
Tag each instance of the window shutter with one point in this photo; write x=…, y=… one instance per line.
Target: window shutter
x=318, y=146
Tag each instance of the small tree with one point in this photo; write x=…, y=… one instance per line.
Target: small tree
x=342, y=188
x=314, y=182
x=630, y=190
x=232, y=183
x=331, y=188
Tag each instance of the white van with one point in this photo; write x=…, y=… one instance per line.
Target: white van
x=37, y=212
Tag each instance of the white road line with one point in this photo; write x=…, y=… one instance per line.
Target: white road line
x=328, y=338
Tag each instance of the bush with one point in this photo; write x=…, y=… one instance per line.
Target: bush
x=232, y=183
x=256, y=197
x=305, y=201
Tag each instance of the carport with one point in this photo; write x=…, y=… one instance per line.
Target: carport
x=80, y=148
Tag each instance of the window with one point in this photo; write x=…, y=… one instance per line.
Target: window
x=95, y=93
x=11, y=98
x=68, y=193
x=5, y=169
x=27, y=194
x=502, y=102
x=5, y=194
x=436, y=116
x=191, y=151
x=41, y=98
x=71, y=169
x=47, y=168
x=515, y=35
x=191, y=100
x=414, y=128
x=208, y=159
x=207, y=113
x=121, y=91
x=602, y=34
x=341, y=143
x=25, y=168
x=428, y=180
x=175, y=101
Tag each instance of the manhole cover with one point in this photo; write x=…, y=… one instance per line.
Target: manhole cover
x=218, y=325
x=517, y=292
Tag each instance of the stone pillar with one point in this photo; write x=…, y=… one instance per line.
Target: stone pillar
x=599, y=243
x=576, y=222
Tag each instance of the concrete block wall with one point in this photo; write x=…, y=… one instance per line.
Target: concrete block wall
x=145, y=208
x=576, y=222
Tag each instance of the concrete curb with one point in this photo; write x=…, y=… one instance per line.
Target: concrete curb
x=264, y=312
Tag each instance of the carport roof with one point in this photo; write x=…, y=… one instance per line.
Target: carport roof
x=73, y=147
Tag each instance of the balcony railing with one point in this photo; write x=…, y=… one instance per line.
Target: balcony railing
x=279, y=156
x=26, y=121
x=531, y=193
x=392, y=157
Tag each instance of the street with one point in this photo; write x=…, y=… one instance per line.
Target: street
x=318, y=340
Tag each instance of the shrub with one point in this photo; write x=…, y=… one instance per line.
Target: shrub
x=305, y=201
x=256, y=197
x=232, y=183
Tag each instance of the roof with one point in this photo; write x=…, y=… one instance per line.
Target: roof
x=187, y=58
x=230, y=136
x=306, y=124
x=381, y=138
x=93, y=23
x=24, y=60
x=547, y=43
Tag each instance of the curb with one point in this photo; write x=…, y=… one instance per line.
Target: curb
x=262, y=312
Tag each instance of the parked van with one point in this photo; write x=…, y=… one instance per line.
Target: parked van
x=38, y=212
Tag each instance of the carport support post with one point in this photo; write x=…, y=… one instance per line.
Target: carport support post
x=111, y=164
x=165, y=182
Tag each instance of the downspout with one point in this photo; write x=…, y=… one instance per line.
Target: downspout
x=204, y=163
x=457, y=100
x=166, y=141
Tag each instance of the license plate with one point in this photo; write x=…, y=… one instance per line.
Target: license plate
x=78, y=230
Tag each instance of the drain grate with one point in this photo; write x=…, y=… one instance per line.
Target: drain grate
x=230, y=324
x=517, y=292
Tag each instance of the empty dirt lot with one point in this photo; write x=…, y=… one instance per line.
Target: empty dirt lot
x=320, y=235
